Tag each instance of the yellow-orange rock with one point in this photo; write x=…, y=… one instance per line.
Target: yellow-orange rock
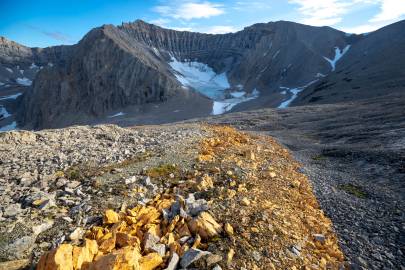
x=83, y=255
x=204, y=225
x=124, y=239
x=205, y=183
x=123, y=259
x=111, y=217
x=108, y=244
x=150, y=261
x=148, y=215
x=57, y=259
x=228, y=229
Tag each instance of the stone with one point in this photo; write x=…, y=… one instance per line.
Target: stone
x=42, y=227
x=111, y=217
x=47, y=203
x=194, y=207
x=250, y=155
x=108, y=244
x=272, y=174
x=125, y=258
x=174, y=261
x=228, y=229
x=191, y=256
x=58, y=259
x=130, y=180
x=295, y=184
x=217, y=267
x=256, y=255
x=320, y=238
x=20, y=248
x=245, y=202
x=151, y=244
x=76, y=235
x=26, y=179
x=61, y=182
x=14, y=265
x=229, y=255
x=205, y=183
x=124, y=239
x=73, y=184
x=12, y=210
x=150, y=261
x=296, y=250
x=212, y=259
x=85, y=254
x=204, y=225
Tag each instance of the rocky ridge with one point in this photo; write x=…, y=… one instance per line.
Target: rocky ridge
x=216, y=192
x=113, y=68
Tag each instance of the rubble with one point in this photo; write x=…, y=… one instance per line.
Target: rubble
x=215, y=207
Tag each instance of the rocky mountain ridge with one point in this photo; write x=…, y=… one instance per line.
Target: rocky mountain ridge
x=112, y=67
x=128, y=73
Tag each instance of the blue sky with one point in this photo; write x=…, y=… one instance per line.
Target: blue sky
x=42, y=23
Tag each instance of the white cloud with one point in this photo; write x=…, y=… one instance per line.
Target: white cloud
x=252, y=5
x=331, y=12
x=361, y=29
x=160, y=22
x=189, y=29
x=321, y=12
x=191, y=10
x=390, y=10
x=221, y=29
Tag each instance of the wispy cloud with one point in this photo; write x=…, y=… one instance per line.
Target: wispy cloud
x=190, y=10
x=331, y=12
x=160, y=21
x=321, y=12
x=56, y=35
x=221, y=29
x=252, y=5
x=390, y=10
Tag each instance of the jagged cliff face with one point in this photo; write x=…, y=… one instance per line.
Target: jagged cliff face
x=116, y=67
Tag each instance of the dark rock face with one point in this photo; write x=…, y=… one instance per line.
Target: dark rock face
x=373, y=67
x=115, y=67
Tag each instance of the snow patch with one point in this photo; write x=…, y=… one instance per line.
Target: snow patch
x=12, y=126
x=238, y=94
x=33, y=66
x=156, y=51
x=4, y=113
x=294, y=93
x=15, y=96
x=24, y=81
x=1, y=84
x=50, y=64
x=205, y=80
x=117, y=114
x=226, y=105
x=10, y=70
x=320, y=75
x=201, y=77
x=338, y=54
